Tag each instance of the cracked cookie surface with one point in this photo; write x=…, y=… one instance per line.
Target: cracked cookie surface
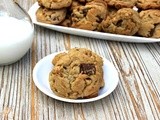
x=89, y=17
x=150, y=25
x=125, y=21
x=76, y=74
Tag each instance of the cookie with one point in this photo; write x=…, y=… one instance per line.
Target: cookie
x=148, y=4
x=125, y=21
x=77, y=74
x=121, y=3
x=55, y=4
x=150, y=25
x=89, y=16
x=50, y=16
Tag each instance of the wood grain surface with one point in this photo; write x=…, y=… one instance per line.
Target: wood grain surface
x=137, y=96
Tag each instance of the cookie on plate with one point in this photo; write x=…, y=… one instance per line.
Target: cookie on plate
x=121, y=3
x=148, y=4
x=125, y=21
x=89, y=16
x=50, y=16
x=55, y=4
x=77, y=74
x=150, y=25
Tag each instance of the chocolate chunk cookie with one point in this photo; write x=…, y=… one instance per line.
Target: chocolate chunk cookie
x=125, y=21
x=121, y=3
x=89, y=16
x=55, y=4
x=148, y=4
x=76, y=74
x=50, y=16
x=150, y=25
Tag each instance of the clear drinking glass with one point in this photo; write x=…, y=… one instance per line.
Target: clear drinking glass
x=16, y=32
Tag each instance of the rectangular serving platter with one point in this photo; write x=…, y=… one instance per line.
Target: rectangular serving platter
x=87, y=33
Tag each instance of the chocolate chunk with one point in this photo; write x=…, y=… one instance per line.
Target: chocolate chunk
x=87, y=68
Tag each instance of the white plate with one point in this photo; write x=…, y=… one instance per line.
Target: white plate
x=44, y=66
x=87, y=33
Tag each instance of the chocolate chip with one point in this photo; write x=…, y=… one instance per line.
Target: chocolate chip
x=119, y=23
x=87, y=68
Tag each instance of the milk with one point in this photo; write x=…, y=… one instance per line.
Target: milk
x=16, y=37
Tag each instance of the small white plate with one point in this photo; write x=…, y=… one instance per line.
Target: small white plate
x=87, y=33
x=44, y=66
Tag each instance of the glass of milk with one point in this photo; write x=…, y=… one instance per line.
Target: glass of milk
x=16, y=32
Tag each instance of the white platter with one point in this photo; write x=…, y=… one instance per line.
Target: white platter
x=44, y=66
x=87, y=33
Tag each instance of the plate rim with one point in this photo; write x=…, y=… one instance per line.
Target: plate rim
x=90, y=34
x=54, y=96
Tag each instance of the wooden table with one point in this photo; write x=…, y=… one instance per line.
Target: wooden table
x=136, y=97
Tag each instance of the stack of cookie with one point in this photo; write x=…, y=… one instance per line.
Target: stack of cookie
x=76, y=74
x=80, y=14
x=126, y=17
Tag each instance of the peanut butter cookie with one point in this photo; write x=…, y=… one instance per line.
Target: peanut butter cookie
x=50, y=16
x=125, y=21
x=89, y=16
x=55, y=4
x=76, y=74
x=150, y=25
x=148, y=4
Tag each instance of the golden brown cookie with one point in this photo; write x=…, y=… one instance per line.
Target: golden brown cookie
x=55, y=4
x=50, y=16
x=76, y=74
x=148, y=4
x=126, y=22
x=150, y=25
x=121, y=3
x=89, y=16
